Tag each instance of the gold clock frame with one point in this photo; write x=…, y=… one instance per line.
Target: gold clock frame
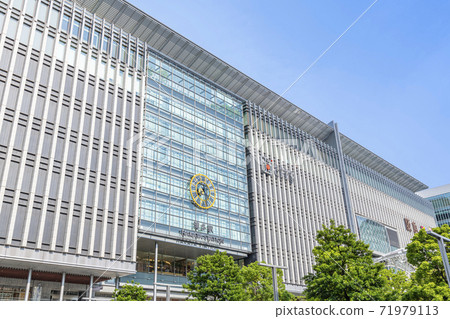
x=193, y=189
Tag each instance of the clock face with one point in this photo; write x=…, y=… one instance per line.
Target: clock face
x=202, y=191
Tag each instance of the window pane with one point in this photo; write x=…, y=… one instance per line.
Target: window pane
x=96, y=39
x=25, y=34
x=123, y=55
x=43, y=10
x=29, y=8
x=60, y=50
x=12, y=29
x=106, y=41
x=17, y=4
x=37, y=42
x=65, y=23
x=76, y=28
x=115, y=47
x=2, y=18
x=54, y=18
x=49, y=45
x=86, y=33
x=132, y=58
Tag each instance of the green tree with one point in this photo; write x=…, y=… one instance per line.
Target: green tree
x=396, y=283
x=130, y=292
x=258, y=283
x=216, y=277
x=344, y=269
x=429, y=281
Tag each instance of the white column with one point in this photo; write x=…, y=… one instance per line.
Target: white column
x=155, y=280
x=90, y=287
x=63, y=281
x=27, y=290
x=117, y=283
x=168, y=293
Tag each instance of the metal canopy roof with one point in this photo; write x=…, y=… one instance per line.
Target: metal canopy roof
x=431, y=192
x=165, y=40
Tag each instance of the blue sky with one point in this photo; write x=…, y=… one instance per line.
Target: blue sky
x=386, y=82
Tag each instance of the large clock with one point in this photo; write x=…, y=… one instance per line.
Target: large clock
x=202, y=191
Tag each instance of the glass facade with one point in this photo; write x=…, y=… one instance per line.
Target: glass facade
x=171, y=269
x=192, y=127
x=9, y=293
x=380, y=238
x=441, y=204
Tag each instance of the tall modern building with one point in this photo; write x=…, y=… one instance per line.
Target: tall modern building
x=440, y=198
x=127, y=151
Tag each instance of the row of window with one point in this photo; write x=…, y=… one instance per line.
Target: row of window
x=178, y=130
x=160, y=176
x=190, y=170
x=206, y=118
x=200, y=152
x=221, y=201
x=187, y=224
x=202, y=165
x=98, y=67
x=179, y=91
x=104, y=42
x=151, y=213
x=441, y=204
x=175, y=231
x=182, y=78
x=167, y=203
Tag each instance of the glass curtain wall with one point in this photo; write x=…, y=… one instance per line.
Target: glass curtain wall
x=441, y=204
x=192, y=127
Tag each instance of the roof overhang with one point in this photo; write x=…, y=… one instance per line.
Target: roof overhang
x=170, y=43
x=431, y=192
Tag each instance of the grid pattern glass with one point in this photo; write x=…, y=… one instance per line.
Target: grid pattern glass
x=441, y=204
x=376, y=235
x=192, y=127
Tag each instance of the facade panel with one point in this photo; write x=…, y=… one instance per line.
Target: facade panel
x=193, y=128
x=68, y=109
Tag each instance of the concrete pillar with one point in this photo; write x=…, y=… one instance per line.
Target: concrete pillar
x=27, y=290
x=90, y=287
x=275, y=284
x=117, y=283
x=63, y=281
x=155, y=280
x=168, y=293
x=346, y=195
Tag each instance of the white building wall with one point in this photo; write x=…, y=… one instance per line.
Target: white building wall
x=369, y=202
x=70, y=121
x=286, y=214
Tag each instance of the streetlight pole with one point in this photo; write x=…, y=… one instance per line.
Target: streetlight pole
x=441, y=241
x=274, y=278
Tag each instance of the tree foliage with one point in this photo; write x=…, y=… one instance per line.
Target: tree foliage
x=396, y=284
x=216, y=277
x=344, y=270
x=258, y=283
x=219, y=277
x=130, y=292
x=429, y=281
